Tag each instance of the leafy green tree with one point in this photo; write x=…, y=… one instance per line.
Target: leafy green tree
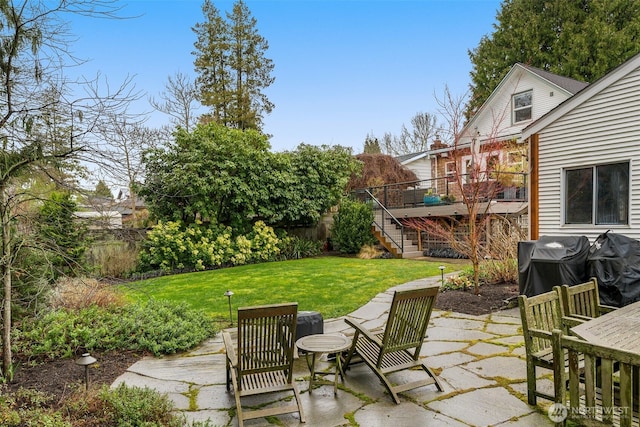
x=229, y=177
x=320, y=176
x=232, y=68
x=352, y=226
x=578, y=39
x=61, y=234
x=212, y=174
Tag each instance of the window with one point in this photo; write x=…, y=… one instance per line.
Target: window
x=597, y=195
x=522, y=106
x=450, y=170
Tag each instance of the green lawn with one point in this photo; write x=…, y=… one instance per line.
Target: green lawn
x=333, y=286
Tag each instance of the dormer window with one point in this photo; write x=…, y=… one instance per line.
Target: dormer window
x=522, y=106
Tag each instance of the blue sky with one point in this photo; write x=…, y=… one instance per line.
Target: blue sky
x=343, y=69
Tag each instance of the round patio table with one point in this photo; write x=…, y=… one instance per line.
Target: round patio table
x=324, y=343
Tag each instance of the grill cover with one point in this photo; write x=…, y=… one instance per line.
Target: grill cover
x=614, y=259
x=551, y=261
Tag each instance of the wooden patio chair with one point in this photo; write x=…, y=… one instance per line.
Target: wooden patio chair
x=583, y=301
x=261, y=361
x=540, y=315
x=397, y=347
x=599, y=393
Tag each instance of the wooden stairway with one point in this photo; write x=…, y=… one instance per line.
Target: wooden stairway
x=392, y=238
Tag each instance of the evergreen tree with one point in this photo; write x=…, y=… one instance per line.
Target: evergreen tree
x=579, y=39
x=64, y=238
x=102, y=190
x=232, y=67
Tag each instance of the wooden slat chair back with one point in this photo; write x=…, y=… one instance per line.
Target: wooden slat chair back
x=540, y=315
x=601, y=382
x=397, y=346
x=582, y=301
x=261, y=359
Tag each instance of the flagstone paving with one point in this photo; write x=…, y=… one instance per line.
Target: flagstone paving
x=479, y=360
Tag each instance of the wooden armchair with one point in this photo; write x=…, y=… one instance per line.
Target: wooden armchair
x=397, y=346
x=540, y=315
x=599, y=393
x=261, y=361
x=583, y=301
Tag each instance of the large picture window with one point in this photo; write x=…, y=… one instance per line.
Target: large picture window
x=522, y=106
x=597, y=195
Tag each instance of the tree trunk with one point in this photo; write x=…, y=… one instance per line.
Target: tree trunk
x=5, y=260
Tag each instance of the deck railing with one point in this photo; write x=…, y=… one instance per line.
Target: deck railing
x=508, y=186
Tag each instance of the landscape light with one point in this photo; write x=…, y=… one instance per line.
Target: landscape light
x=86, y=360
x=228, y=294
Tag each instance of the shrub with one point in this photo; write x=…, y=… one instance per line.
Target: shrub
x=27, y=408
x=499, y=271
x=169, y=247
x=369, y=252
x=159, y=327
x=264, y=243
x=135, y=406
x=352, y=226
x=459, y=281
x=294, y=247
x=77, y=293
x=61, y=234
x=32, y=279
x=112, y=258
x=491, y=272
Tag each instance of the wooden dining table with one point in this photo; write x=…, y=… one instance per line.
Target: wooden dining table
x=618, y=329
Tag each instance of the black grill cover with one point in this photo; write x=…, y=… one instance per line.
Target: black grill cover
x=614, y=259
x=551, y=261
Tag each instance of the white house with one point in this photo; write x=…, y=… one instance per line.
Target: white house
x=585, y=160
x=418, y=163
x=525, y=94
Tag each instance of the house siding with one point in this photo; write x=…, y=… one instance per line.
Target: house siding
x=494, y=120
x=604, y=129
x=422, y=169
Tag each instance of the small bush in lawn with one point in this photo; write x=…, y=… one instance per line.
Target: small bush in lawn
x=352, y=226
x=77, y=293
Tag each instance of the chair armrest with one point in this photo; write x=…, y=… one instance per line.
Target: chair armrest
x=539, y=333
x=228, y=346
x=570, y=321
x=362, y=330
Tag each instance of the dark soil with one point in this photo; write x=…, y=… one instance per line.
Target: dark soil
x=61, y=378
x=490, y=298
